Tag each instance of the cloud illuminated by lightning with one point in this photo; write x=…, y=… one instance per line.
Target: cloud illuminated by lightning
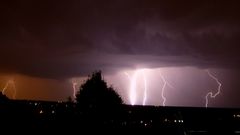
x=8, y=84
x=210, y=94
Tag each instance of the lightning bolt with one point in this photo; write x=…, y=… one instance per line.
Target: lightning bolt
x=74, y=84
x=133, y=84
x=132, y=94
x=145, y=88
x=210, y=94
x=165, y=83
x=12, y=83
x=5, y=87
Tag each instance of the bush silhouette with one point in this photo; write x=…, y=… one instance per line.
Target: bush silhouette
x=95, y=93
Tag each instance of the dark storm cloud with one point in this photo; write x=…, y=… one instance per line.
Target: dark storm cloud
x=58, y=39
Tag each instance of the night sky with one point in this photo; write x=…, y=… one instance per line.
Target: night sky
x=45, y=45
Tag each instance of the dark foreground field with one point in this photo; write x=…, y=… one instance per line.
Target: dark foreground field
x=58, y=116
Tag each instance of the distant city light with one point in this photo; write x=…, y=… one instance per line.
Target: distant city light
x=41, y=111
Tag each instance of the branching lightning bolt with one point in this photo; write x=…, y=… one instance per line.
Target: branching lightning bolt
x=165, y=83
x=211, y=93
x=10, y=82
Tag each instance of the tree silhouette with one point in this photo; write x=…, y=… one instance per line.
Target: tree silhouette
x=95, y=93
